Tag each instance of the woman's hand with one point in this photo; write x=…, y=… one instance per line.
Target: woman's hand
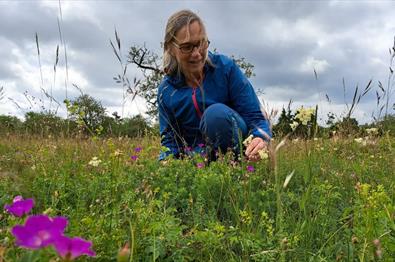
x=256, y=145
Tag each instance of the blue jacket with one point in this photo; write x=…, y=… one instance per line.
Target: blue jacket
x=223, y=83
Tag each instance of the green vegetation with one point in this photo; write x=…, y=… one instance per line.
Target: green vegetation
x=338, y=205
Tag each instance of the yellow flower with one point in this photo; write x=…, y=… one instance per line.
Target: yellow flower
x=263, y=154
x=304, y=114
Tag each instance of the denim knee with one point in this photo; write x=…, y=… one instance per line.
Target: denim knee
x=223, y=127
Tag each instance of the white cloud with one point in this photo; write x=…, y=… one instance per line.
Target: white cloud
x=311, y=64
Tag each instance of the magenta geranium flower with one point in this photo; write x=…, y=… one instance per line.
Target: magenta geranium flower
x=200, y=165
x=201, y=145
x=19, y=206
x=71, y=248
x=134, y=157
x=39, y=231
x=250, y=169
x=138, y=149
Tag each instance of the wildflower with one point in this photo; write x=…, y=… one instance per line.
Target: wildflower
x=19, y=206
x=134, y=158
x=71, y=248
x=117, y=153
x=200, y=165
x=372, y=131
x=188, y=149
x=124, y=253
x=360, y=140
x=245, y=218
x=248, y=140
x=39, y=231
x=201, y=145
x=294, y=125
x=263, y=154
x=250, y=169
x=138, y=149
x=94, y=161
x=378, y=252
x=304, y=115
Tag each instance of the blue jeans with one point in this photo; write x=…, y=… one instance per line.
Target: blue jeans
x=222, y=128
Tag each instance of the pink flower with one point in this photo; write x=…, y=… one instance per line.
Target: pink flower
x=200, y=165
x=250, y=169
x=201, y=145
x=39, y=231
x=71, y=248
x=134, y=158
x=20, y=207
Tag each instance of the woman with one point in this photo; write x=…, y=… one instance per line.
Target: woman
x=204, y=97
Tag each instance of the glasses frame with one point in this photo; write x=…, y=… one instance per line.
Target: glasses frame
x=198, y=46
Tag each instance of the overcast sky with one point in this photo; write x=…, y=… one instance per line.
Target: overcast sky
x=285, y=40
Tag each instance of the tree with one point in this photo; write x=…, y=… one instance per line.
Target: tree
x=88, y=112
x=283, y=126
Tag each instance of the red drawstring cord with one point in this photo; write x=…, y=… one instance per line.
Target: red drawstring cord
x=195, y=103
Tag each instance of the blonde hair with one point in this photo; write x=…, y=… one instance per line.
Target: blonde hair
x=175, y=23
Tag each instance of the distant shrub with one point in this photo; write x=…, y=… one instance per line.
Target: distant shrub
x=44, y=124
x=9, y=124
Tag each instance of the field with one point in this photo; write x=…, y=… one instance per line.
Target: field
x=337, y=204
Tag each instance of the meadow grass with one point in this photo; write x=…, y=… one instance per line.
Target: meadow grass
x=339, y=204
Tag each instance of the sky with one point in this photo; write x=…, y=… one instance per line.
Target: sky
x=345, y=42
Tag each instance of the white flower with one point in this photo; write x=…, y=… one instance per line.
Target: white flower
x=248, y=140
x=94, y=161
x=294, y=125
x=359, y=140
x=372, y=131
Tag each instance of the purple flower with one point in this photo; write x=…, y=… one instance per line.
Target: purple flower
x=134, y=158
x=201, y=145
x=39, y=231
x=19, y=207
x=200, y=165
x=138, y=149
x=250, y=169
x=188, y=149
x=71, y=248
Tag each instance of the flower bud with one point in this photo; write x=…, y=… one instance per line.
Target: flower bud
x=124, y=253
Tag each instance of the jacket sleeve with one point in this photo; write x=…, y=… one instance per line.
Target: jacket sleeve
x=245, y=101
x=166, y=129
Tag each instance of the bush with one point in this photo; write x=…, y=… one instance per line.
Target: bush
x=9, y=124
x=44, y=124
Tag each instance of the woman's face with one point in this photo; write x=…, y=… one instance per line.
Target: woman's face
x=190, y=49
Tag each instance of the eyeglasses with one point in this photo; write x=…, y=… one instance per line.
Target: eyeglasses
x=188, y=48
